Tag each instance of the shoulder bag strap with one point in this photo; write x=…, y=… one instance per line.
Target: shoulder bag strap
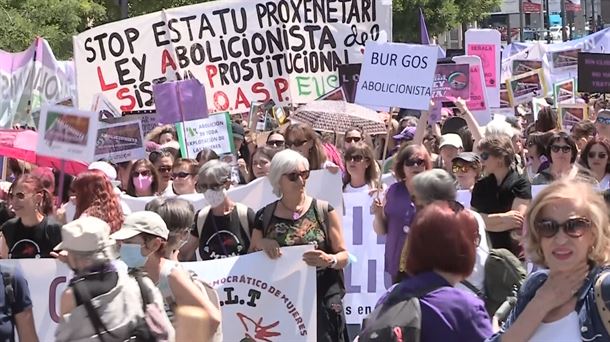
x=201, y=218
x=474, y=289
x=267, y=215
x=242, y=213
x=81, y=291
x=602, y=307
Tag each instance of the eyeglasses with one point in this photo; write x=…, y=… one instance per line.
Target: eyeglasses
x=180, y=174
x=356, y=159
x=297, y=143
x=460, y=168
x=574, y=227
x=352, y=140
x=20, y=195
x=294, y=176
x=143, y=173
x=414, y=162
x=600, y=155
x=164, y=169
x=485, y=155
x=603, y=120
x=563, y=148
x=276, y=143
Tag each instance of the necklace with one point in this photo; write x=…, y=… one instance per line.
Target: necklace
x=296, y=213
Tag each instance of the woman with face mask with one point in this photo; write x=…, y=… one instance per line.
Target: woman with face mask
x=144, y=238
x=144, y=179
x=222, y=228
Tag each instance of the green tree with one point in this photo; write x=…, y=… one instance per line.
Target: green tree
x=441, y=16
x=56, y=20
x=140, y=7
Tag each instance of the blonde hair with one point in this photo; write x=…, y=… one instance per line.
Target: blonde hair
x=585, y=198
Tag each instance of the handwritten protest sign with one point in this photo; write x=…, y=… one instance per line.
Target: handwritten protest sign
x=120, y=142
x=485, y=43
x=570, y=114
x=67, y=133
x=523, y=88
x=241, y=51
x=399, y=75
x=593, y=73
x=564, y=91
x=213, y=132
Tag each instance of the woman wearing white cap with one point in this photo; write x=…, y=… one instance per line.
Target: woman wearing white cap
x=90, y=253
x=144, y=238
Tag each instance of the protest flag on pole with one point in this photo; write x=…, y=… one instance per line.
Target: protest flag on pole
x=423, y=29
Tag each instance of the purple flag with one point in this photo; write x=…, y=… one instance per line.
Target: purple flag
x=180, y=101
x=423, y=29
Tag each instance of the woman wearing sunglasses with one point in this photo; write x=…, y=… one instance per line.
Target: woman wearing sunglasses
x=568, y=233
x=595, y=157
x=537, y=160
x=276, y=141
x=261, y=162
x=144, y=180
x=184, y=173
x=503, y=195
x=32, y=233
x=163, y=160
x=395, y=210
x=222, y=228
x=466, y=168
x=562, y=153
x=298, y=219
x=362, y=169
x=302, y=138
x=353, y=136
x=440, y=253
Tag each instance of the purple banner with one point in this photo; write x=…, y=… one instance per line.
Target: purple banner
x=180, y=101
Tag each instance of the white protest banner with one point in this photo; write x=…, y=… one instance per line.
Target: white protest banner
x=241, y=51
x=262, y=298
x=321, y=185
x=478, y=103
x=47, y=279
x=213, y=132
x=67, y=133
x=120, y=142
x=397, y=75
x=486, y=43
x=15, y=69
x=365, y=279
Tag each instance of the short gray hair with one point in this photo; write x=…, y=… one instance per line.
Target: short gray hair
x=215, y=170
x=177, y=213
x=497, y=127
x=434, y=185
x=284, y=162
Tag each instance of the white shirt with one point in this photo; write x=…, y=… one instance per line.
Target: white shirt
x=604, y=183
x=477, y=277
x=566, y=329
x=350, y=189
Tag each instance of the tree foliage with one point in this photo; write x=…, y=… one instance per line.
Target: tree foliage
x=441, y=16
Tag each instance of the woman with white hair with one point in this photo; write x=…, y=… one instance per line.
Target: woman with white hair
x=119, y=299
x=222, y=228
x=298, y=219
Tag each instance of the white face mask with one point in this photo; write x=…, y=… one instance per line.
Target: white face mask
x=215, y=197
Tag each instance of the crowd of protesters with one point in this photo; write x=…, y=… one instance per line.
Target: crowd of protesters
x=561, y=236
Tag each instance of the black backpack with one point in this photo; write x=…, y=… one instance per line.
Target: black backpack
x=397, y=319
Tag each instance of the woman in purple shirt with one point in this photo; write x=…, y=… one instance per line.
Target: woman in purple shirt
x=441, y=252
x=394, y=213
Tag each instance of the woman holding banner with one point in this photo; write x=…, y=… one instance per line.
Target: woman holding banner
x=298, y=219
x=395, y=211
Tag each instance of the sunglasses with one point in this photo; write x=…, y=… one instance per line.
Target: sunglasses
x=180, y=174
x=143, y=173
x=460, y=168
x=414, y=162
x=275, y=143
x=19, y=195
x=603, y=120
x=300, y=143
x=563, y=148
x=485, y=155
x=574, y=227
x=356, y=159
x=600, y=155
x=294, y=176
x=164, y=169
x=352, y=140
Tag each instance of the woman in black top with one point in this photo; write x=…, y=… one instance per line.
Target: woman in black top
x=503, y=195
x=32, y=233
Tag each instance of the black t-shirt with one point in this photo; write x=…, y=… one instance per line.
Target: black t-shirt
x=31, y=242
x=489, y=198
x=223, y=236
